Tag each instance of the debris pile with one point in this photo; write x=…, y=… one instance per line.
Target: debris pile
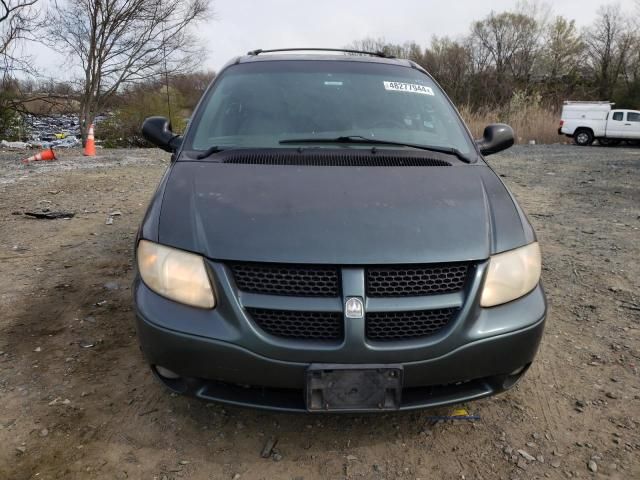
x=59, y=131
x=51, y=128
x=14, y=145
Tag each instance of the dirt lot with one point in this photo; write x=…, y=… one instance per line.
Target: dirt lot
x=77, y=400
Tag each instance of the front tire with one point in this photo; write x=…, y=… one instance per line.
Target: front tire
x=583, y=138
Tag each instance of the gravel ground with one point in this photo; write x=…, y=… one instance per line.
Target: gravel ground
x=78, y=401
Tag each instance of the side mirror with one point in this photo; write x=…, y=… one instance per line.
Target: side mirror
x=158, y=131
x=496, y=137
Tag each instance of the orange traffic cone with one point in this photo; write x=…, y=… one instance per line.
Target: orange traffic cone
x=43, y=156
x=90, y=146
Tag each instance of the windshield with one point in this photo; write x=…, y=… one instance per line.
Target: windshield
x=260, y=104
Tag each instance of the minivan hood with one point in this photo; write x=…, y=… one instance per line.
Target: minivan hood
x=339, y=215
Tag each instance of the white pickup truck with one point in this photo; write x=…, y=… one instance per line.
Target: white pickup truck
x=589, y=121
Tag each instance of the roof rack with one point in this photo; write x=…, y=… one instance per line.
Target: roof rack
x=344, y=50
x=588, y=102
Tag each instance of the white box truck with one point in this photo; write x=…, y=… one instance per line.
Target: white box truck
x=589, y=121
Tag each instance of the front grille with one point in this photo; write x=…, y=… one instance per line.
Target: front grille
x=332, y=159
x=282, y=279
x=325, y=326
x=406, y=281
x=386, y=326
x=301, y=280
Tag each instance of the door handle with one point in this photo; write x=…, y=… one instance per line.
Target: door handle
x=628, y=124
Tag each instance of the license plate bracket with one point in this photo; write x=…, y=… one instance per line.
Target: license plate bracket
x=345, y=388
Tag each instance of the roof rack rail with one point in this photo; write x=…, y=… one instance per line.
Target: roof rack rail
x=344, y=50
x=588, y=102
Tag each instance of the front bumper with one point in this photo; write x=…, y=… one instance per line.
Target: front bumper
x=224, y=372
x=221, y=355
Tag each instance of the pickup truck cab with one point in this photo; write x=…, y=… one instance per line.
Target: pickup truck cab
x=589, y=121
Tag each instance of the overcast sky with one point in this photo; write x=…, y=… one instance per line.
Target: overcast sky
x=242, y=25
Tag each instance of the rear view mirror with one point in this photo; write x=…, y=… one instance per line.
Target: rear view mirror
x=158, y=131
x=496, y=137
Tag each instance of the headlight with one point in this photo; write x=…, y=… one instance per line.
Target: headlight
x=511, y=275
x=175, y=274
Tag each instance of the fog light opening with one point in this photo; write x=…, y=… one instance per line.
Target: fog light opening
x=511, y=379
x=170, y=379
x=166, y=373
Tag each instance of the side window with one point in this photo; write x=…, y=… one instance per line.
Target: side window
x=618, y=116
x=633, y=117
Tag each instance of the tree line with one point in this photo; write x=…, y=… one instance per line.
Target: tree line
x=530, y=50
x=128, y=50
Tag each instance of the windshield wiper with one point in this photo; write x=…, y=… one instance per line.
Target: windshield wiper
x=210, y=151
x=361, y=140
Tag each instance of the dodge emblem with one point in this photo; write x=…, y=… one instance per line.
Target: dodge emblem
x=354, y=308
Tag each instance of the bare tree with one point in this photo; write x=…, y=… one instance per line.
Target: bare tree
x=562, y=60
x=449, y=61
x=511, y=42
x=118, y=42
x=631, y=69
x=563, y=48
x=608, y=43
x=16, y=19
